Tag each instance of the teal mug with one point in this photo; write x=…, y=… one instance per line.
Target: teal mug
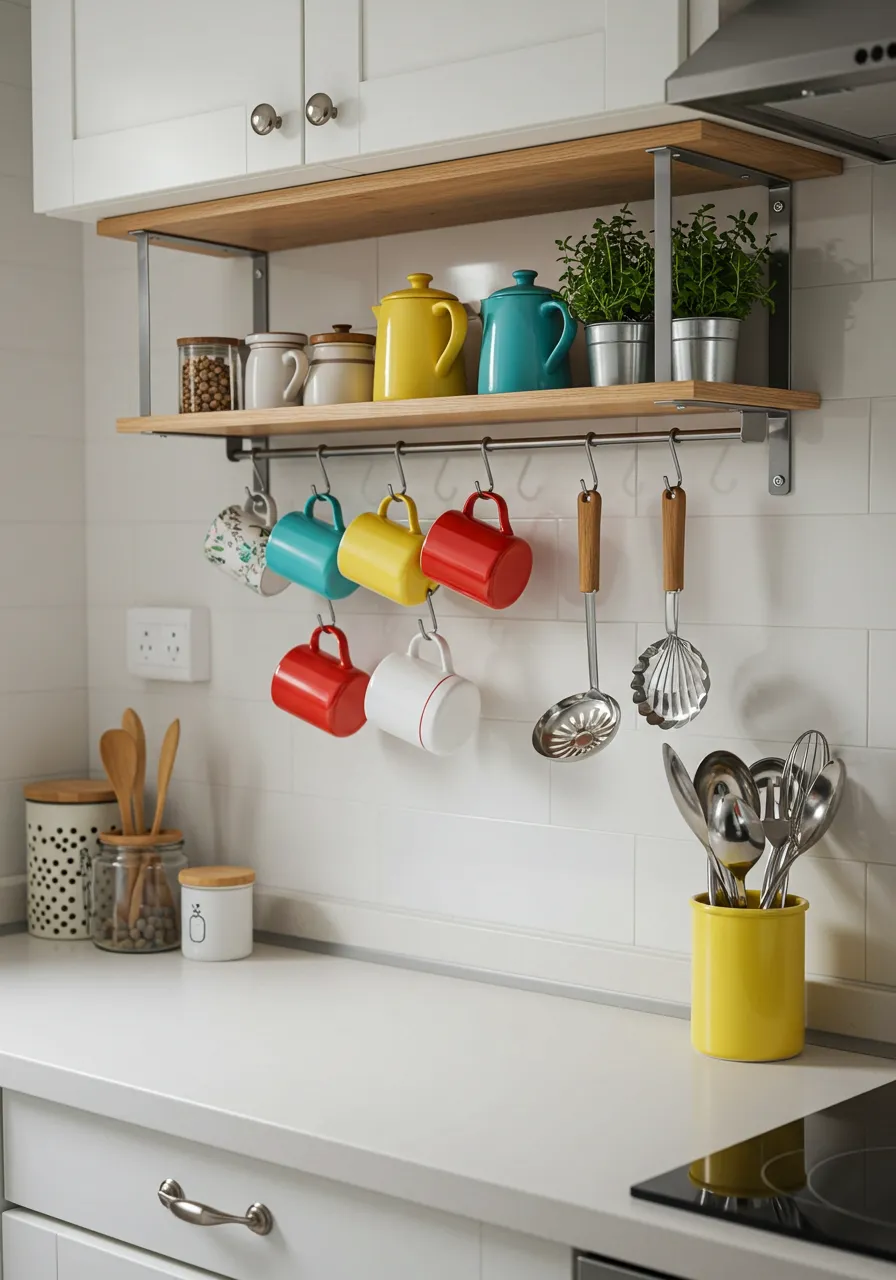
x=304, y=549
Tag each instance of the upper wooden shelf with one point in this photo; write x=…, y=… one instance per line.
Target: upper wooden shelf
x=646, y=399
x=585, y=173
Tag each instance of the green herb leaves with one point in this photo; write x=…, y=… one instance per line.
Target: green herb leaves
x=718, y=273
x=609, y=274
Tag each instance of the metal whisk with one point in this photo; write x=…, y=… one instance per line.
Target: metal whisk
x=808, y=756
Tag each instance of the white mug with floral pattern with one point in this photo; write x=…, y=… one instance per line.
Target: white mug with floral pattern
x=237, y=540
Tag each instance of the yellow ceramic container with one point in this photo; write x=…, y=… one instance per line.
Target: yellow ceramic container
x=748, y=985
x=384, y=556
x=420, y=335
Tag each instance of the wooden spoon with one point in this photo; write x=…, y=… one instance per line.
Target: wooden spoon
x=166, y=765
x=133, y=725
x=118, y=752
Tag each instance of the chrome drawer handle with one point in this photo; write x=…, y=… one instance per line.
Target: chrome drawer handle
x=258, y=1216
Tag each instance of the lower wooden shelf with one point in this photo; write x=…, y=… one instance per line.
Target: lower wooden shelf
x=645, y=399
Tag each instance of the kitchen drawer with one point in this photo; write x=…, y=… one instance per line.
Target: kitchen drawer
x=104, y=1175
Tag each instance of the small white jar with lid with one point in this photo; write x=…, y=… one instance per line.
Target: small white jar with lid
x=341, y=370
x=216, y=912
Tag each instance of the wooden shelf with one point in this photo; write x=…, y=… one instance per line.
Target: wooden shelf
x=585, y=173
x=646, y=399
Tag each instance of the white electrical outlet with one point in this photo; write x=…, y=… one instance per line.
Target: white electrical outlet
x=169, y=644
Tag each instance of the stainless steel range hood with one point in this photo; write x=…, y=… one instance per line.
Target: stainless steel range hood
x=819, y=70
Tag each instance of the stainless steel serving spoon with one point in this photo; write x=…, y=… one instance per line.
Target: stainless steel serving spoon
x=688, y=806
x=736, y=838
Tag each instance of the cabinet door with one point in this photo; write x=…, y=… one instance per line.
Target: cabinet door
x=131, y=99
x=41, y=1249
x=411, y=73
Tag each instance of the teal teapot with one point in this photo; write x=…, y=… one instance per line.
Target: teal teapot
x=526, y=335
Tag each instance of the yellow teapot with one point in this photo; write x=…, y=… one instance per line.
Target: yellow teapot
x=419, y=339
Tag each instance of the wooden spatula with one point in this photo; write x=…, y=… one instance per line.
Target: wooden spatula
x=133, y=725
x=118, y=752
x=166, y=765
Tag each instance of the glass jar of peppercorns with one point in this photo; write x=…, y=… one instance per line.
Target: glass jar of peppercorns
x=210, y=374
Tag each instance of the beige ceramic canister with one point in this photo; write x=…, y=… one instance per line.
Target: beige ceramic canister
x=63, y=821
x=340, y=367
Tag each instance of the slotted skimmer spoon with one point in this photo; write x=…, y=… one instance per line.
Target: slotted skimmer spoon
x=671, y=678
x=583, y=723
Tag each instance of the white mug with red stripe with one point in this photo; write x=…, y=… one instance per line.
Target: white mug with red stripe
x=429, y=706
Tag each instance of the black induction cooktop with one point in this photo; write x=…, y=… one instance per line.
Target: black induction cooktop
x=829, y=1178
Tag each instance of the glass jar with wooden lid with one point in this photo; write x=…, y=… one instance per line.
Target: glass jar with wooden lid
x=134, y=900
x=63, y=821
x=210, y=372
x=341, y=367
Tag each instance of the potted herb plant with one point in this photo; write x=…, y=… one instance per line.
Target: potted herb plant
x=607, y=283
x=717, y=276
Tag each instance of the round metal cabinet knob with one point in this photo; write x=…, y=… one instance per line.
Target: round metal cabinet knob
x=320, y=108
x=264, y=119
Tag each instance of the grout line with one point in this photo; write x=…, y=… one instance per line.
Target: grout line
x=865, y=929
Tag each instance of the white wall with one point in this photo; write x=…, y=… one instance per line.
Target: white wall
x=43, y=658
x=494, y=857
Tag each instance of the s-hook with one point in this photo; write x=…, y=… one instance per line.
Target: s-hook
x=483, y=449
x=399, y=445
x=590, y=457
x=428, y=635
x=323, y=471
x=332, y=622
x=670, y=487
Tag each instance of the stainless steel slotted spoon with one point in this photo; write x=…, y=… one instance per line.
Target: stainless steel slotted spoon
x=583, y=723
x=671, y=678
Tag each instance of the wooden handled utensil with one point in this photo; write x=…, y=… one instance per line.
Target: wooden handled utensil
x=167, y=757
x=118, y=752
x=132, y=724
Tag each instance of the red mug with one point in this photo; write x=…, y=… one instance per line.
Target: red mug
x=476, y=559
x=325, y=691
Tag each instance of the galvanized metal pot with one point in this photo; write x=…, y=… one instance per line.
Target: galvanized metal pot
x=619, y=352
x=705, y=349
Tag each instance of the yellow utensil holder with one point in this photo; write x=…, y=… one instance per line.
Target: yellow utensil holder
x=748, y=980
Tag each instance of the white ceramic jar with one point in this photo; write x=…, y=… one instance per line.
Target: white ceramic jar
x=276, y=369
x=63, y=821
x=341, y=367
x=216, y=912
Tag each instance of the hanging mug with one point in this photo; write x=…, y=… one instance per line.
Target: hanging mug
x=384, y=556
x=430, y=707
x=305, y=550
x=237, y=543
x=320, y=689
x=475, y=559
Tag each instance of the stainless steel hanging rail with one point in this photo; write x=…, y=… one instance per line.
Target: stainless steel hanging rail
x=713, y=435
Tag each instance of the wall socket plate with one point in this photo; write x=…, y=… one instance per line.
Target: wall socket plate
x=169, y=644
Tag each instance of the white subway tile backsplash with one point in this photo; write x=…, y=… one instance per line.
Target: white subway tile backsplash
x=44, y=734
x=31, y=239
x=497, y=775
x=15, y=45
x=781, y=595
x=15, y=137
x=43, y=649
x=771, y=682
x=542, y=878
x=52, y=571
x=52, y=487
x=883, y=456
x=882, y=689
x=47, y=311
x=881, y=946
x=884, y=222
x=42, y=393
x=832, y=238
x=839, y=339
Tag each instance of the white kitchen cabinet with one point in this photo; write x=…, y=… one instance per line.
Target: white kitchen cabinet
x=40, y=1249
x=408, y=74
x=131, y=99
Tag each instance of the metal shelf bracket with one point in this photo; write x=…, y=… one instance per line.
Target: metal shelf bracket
x=776, y=426
x=260, y=320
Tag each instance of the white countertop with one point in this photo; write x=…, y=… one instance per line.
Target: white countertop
x=526, y=1111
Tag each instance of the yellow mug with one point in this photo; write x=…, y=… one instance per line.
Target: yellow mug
x=384, y=556
x=748, y=980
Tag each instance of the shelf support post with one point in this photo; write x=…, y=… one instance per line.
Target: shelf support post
x=662, y=222
x=260, y=321
x=143, y=323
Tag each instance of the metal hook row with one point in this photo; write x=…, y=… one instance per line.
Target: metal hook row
x=677, y=485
